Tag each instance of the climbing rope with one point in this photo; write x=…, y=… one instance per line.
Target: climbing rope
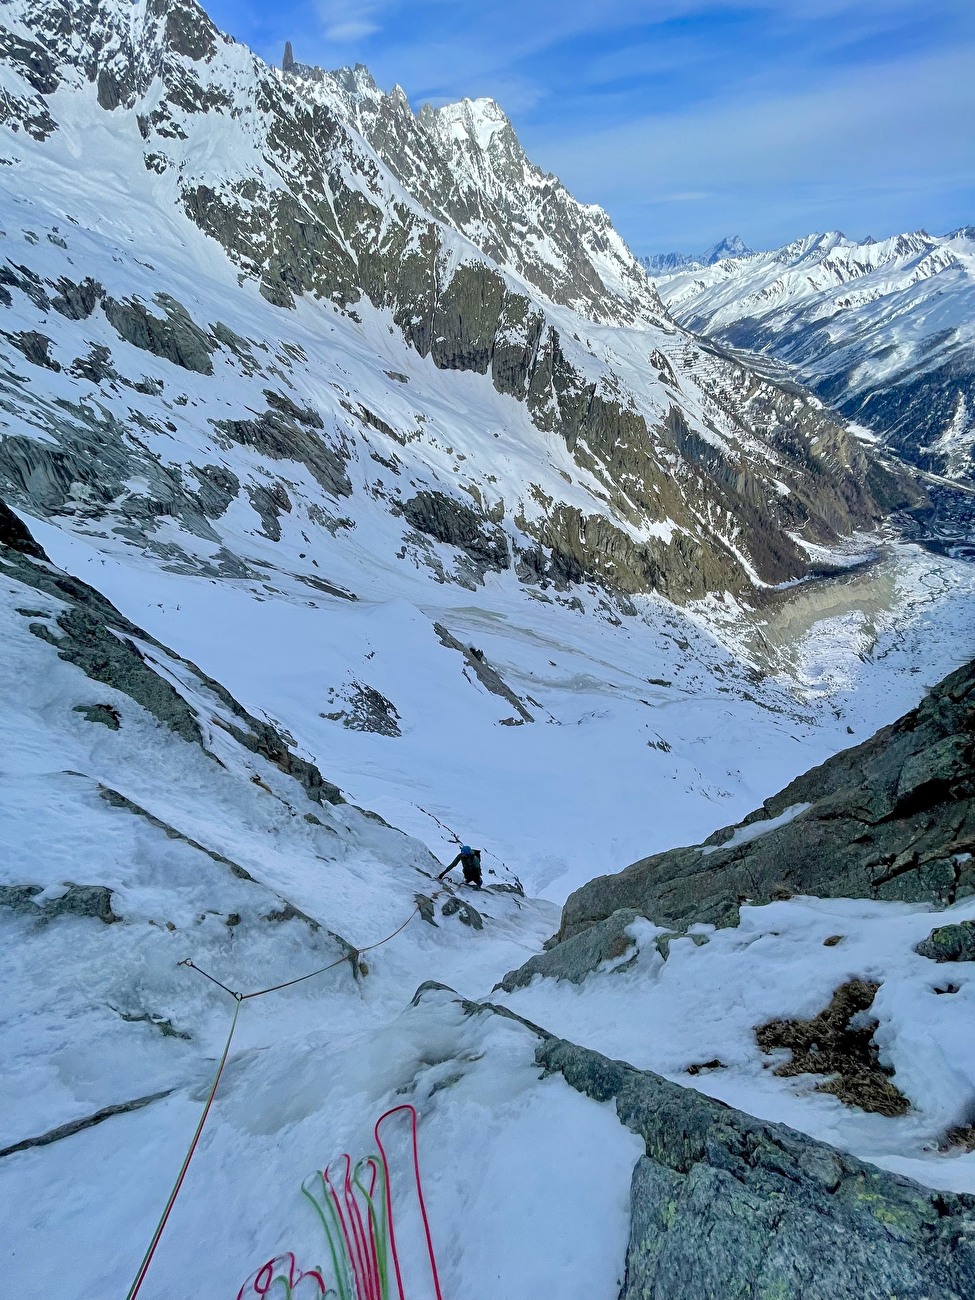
x=240, y=999
x=164, y=1219
x=355, y=1209
x=457, y=840
x=419, y=1192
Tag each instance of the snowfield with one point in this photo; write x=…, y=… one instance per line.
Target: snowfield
x=101, y=1015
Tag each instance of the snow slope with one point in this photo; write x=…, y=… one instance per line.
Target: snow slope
x=100, y=1014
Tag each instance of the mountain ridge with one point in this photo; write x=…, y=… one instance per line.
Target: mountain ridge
x=688, y=475
x=881, y=329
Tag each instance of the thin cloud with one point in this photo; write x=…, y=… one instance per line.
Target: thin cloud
x=345, y=22
x=346, y=33
x=691, y=196
x=688, y=118
x=888, y=129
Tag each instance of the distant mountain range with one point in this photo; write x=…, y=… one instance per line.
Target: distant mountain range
x=884, y=330
x=664, y=263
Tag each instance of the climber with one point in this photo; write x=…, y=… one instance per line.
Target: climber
x=470, y=860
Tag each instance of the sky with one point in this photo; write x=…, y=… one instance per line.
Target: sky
x=687, y=119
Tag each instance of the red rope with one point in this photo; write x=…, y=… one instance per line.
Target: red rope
x=241, y=998
x=264, y=1279
x=419, y=1192
x=140, y=1277
x=353, y=1244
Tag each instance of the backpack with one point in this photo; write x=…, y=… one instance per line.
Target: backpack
x=471, y=862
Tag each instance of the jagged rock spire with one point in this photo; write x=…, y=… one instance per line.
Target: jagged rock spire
x=288, y=62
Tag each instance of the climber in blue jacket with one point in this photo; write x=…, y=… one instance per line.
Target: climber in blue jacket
x=470, y=860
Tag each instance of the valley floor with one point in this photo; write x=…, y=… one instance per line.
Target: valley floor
x=650, y=731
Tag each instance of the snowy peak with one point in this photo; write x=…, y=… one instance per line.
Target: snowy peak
x=667, y=263
x=464, y=163
x=472, y=124
x=390, y=251
x=729, y=246
x=882, y=328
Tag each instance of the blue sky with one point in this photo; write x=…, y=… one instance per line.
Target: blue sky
x=688, y=120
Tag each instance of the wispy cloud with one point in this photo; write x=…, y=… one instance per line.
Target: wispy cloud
x=346, y=22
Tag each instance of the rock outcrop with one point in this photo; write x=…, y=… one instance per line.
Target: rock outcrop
x=779, y=1211
x=722, y=1204
x=892, y=818
x=91, y=633
x=949, y=943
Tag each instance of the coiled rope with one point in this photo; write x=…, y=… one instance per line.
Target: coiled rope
x=360, y=1244
x=239, y=999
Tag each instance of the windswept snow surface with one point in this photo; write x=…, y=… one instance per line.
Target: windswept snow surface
x=99, y=1014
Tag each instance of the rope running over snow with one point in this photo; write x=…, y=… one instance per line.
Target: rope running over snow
x=241, y=998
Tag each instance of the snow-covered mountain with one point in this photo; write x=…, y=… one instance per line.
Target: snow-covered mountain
x=884, y=330
x=665, y=263
x=236, y=258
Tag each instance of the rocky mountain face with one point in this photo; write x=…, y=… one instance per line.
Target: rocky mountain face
x=893, y=818
x=465, y=165
x=424, y=293
x=882, y=330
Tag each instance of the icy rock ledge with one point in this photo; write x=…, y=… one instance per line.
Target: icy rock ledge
x=723, y=1204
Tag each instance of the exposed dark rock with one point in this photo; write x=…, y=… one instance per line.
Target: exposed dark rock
x=174, y=336
x=162, y=1023
x=456, y=524
x=426, y=907
x=777, y=1210
x=77, y=301
x=78, y=900
x=892, y=818
x=702, y=1067
x=368, y=710
x=269, y=502
x=20, y=898
x=24, y=279
x=291, y=913
x=950, y=943
x=309, y=231
x=468, y=915
x=285, y=432
x=830, y=1043
x=579, y=956
x=35, y=347
x=724, y=1205
x=48, y=477
x=88, y=1121
x=102, y=713
x=96, y=366
x=100, y=640
x=219, y=487
x=16, y=535
x=482, y=670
